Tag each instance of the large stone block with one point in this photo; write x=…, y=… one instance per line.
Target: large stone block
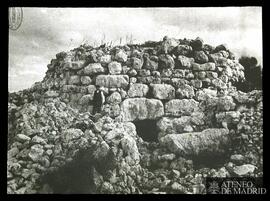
x=163, y=91
x=183, y=124
x=112, y=81
x=141, y=108
x=178, y=107
x=93, y=68
x=138, y=90
x=208, y=141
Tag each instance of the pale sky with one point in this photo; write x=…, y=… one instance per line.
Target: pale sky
x=46, y=31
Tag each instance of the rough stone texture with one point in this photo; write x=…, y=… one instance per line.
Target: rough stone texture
x=210, y=66
x=48, y=133
x=163, y=91
x=185, y=62
x=75, y=65
x=200, y=57
x=86, y=80
x=74, y=80
x=121, y=56
x=177, y=107
x=115, y=68
x=138, y=90
x=165, y=61
x=112, y=81
x=184, y=50
x=114, y=98
x=93, y=68
x=244, y=170
x=141, y=108
x=209, y=140
x=169, y=125
x=185, y=91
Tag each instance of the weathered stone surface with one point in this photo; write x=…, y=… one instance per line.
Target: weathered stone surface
x=115, y=68
x=207, y=141
x=114, y=98
x=163, y=91
x=149, y=80
x=38, y=140
x=105, y=59
x=74, y=80
x=130, y=148
x=177, y=107
x=200, y=57
x=144, y=72
x=86, y=80
x=132, y=72
x=137, y=63
x=138, y=90
x=205, y=93
x=121, y=56
x=197, y=44
x=210, y=66
x=113, y=110
x=230, y=117
x=71, y=134
x=112, y=81
x=23, y=138
x=185, y=91
x=170, y=125
x=196, y=83
x=185, y=62
x=91, y=89
x=225, y=103
x=185, y=50
x=93, y=68
x=218, y=83
x=165, y=61
x=237, y=158
x=141, y=108
x=179, y=73
x=51, y=94
x=150, y=64
x=36, y=152
x=85, y=99
x=244, y=169
x=74, y=65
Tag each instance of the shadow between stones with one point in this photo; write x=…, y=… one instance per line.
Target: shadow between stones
x=147, y=130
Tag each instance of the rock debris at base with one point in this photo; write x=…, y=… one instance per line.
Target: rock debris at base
x=56, y=144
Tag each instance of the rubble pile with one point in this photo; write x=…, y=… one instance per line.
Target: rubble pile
x=185, y=87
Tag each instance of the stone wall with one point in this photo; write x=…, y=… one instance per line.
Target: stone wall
x=184, y=85
x=145, y=83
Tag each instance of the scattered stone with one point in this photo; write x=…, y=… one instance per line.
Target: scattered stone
x=243, y=169
x=23, y=138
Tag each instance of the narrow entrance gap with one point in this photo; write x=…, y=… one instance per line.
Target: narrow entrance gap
x=75, y=177
x=147, y=130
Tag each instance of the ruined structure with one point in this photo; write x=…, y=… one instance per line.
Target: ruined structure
x=171, y=115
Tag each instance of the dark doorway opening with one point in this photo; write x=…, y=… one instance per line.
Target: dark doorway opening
x=147, y=130
x=75, y=177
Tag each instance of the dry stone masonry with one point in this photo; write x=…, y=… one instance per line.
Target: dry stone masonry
x=179, y=92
